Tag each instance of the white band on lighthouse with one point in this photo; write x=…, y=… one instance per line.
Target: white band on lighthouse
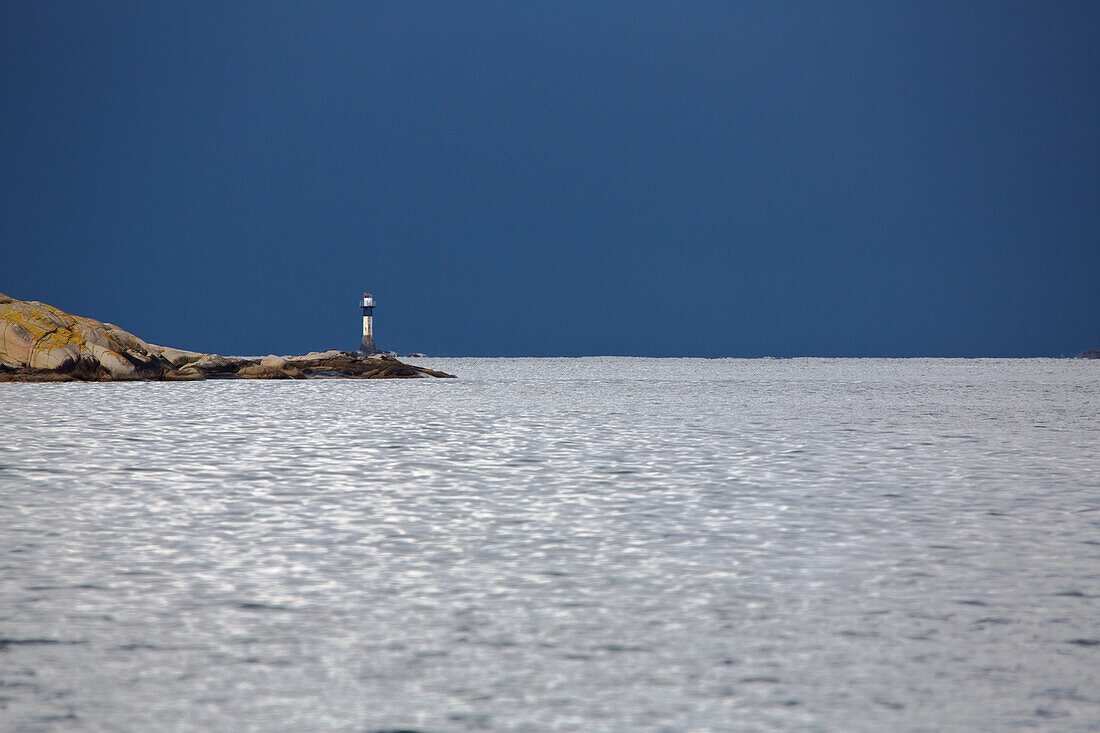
x=368, y=325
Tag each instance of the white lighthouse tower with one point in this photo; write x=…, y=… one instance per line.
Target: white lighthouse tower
x=367, y=304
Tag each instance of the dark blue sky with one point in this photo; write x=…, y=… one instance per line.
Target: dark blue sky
x=560, y=178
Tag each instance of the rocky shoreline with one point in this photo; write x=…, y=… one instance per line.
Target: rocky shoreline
x=40, y=343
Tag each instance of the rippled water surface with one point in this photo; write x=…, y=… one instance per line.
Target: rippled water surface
x=558, y=544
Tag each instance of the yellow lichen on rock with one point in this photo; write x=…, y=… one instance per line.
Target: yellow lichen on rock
x=55, y=350
x=37, y=336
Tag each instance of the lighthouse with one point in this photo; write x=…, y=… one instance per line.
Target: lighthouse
x=367, y=304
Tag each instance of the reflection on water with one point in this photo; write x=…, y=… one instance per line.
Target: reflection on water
x=558, y=544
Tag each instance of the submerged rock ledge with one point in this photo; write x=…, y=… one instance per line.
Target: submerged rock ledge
x=39, y=343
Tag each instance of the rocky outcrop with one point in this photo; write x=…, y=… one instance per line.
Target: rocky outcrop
x=38, y=339
x=212, y=365
x=351, y=364
x=41, y=343
x=1094, y=354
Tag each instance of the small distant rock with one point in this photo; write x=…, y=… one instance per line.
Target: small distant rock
x=1094, y=354
x=416, y=355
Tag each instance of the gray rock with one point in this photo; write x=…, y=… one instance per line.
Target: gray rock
x=178, y=357
x=273, y=362
x=214, y=364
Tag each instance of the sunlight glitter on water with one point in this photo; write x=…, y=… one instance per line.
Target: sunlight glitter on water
x=558, y=544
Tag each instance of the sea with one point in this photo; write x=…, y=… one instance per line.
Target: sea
x=582, y=544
